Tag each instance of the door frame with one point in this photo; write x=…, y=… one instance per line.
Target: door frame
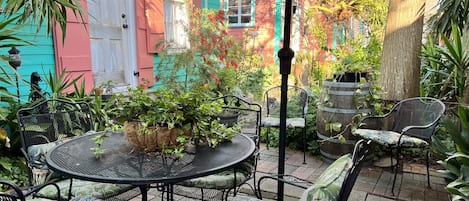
x=131, y=39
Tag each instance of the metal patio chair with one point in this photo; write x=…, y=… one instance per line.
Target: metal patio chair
x=43, y=126
x=335, y=183
x=410, y=124
x=297, y=108
x=248, y=116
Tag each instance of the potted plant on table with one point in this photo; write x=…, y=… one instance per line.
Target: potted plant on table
x=165, y=120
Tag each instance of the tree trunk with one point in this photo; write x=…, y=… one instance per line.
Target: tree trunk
x=400, y=63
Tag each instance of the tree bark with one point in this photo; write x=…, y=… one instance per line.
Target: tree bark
x=400, y=63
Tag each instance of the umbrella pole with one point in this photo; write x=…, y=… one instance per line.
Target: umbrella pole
x=285, y=55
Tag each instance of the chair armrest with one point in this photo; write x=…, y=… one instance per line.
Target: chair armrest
x=287, y=179
x=34, y=189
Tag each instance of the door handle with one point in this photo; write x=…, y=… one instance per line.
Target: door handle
x=125, y=26
x=136, y=73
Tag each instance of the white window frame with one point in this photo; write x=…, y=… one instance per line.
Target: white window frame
x=239, y=14
x=176, y=22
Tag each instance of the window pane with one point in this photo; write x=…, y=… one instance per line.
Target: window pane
x=246, y=10
x=233, y=19
x=245, y=19
x=233, y=10
x=246, y=2
x=233, y=3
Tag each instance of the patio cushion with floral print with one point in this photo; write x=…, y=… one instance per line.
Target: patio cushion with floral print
x=37, y=153
x=85, y=189
x=222, y=180
x=327, y=186
x=291, y=122
x=390, y=138
x=78, y=198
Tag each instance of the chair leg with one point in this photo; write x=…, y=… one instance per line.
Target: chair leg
x=202, y=194
x=304, y=145
x=393, y=167
x=396, y=170
x=268, y=139
x=428, y=171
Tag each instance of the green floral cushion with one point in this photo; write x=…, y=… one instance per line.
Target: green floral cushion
x=37, y=199
x=85, y=198
x=222, y=180
x=37, y=153
x=244, y=198
x=78, y=198
x=38, y=127
x=291, y=122
x=327, y=186
x=390, y=138
x=85, y=188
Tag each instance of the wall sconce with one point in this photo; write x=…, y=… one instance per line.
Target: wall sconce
x=15, y=62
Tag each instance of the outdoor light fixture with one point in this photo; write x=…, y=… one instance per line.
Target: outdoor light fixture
x=15, y=62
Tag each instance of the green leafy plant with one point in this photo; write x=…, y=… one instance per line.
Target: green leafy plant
x=13, y=168
x=191, y=111
x=98, y=140
x=456, y=162
x=43, y=11
x=356, y=56
x=214, y=60
x=58, y=85
x=445, y=66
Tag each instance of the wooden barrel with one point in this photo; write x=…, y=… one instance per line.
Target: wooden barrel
x=339, y=103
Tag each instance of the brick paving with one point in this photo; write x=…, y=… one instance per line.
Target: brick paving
x=373, y=183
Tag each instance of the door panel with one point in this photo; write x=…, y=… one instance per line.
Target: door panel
x=110, y=41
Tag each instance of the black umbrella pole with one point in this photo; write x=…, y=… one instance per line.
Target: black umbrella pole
x=286, y=55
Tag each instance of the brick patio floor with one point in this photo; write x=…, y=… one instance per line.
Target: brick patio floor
x=373, y=183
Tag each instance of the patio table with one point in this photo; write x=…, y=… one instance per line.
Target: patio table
x=121, y=164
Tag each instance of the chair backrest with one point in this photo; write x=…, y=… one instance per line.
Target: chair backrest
x=297, y=101
x=361, y=151
x=246, y=114
x=424, y=112
x=52, y=120
x=11, y=196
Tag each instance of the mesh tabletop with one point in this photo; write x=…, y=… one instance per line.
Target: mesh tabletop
x=121, y=164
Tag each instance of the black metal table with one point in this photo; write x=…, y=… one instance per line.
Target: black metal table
x=122, y=165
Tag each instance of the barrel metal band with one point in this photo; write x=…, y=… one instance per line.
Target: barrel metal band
x=329, y=157
x=347, y=93
x=345, y=84
x=333, y=140
x=344, y=111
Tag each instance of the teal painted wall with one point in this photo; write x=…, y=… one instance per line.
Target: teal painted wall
x=211, y=4
x=38, y=57
x=278, y=28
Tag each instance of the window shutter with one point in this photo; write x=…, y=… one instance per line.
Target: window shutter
x=74, y=53
x=154, y=13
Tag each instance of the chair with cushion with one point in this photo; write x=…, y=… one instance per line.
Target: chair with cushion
x=46, y=124
x=30, y=193
x=13, y=192
x=410, y=124
x=336, y=182
x=247, y=115
x=297, y=108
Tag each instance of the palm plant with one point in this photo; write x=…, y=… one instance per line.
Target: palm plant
x=50, y=12
x=456, y=157
x=451, y=59
x=450, y=11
